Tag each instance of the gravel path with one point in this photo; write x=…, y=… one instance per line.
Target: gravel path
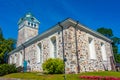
x=9, y=79
x=16, y=79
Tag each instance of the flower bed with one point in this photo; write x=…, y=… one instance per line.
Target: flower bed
x=98, y=78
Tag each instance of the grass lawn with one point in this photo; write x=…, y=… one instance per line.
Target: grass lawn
x=38, y=76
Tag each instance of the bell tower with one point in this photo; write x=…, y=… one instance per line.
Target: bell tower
x=28, y=28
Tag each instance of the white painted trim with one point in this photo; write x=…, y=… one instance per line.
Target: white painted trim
x=92, y=52
x=56, y=28
x=103, y=52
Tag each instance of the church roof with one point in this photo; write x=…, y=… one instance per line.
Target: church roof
x=64, y=23
x=29, y=17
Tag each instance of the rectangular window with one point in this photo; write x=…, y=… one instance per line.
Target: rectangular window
x=103, y=51
x=92, y=52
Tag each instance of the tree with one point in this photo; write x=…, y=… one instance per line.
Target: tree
x=6, y=45
x=106, y=32
x=116, y=41
x=1, y=35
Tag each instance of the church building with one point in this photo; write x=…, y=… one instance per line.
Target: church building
x=85, y=50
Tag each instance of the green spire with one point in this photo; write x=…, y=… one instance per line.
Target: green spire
x=28, y=17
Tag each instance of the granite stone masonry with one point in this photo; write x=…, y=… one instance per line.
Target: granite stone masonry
x=84, y=49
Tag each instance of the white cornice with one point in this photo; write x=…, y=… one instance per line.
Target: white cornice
x=88, y=30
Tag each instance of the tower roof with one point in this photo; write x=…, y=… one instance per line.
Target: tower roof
x=29, y=17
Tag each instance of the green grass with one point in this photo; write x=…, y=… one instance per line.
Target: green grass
x=38, y=76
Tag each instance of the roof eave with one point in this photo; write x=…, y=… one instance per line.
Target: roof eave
x=91, y=31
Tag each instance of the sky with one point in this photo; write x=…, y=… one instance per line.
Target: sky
x=91, y=13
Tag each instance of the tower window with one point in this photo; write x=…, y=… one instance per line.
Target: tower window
x=29, y=23
x=34, y=25
x=32, y=19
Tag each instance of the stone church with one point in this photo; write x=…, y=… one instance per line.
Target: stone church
x=84, y=49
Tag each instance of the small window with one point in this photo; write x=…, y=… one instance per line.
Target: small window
x=29, y=23
x=32, y=19
x=34, y=25
x=59, y=32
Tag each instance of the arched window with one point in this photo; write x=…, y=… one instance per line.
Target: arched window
x=20, y=59
x=92, y=52
x=31, y=24
x=28, y=23
x=39, y=53
x=10, y=60
x=34, y=25
x=103, y=51
x=15, y=58
x=53, y=47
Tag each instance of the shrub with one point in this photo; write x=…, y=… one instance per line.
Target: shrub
x=7, y=68
x=19, y=69
x=53, y=66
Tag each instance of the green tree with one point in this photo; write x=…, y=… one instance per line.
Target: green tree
x=1, y=35
x=6, y=45
x=116, y=41
x=106, y=32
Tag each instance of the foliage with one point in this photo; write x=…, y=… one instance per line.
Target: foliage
x=116, y=41
x=117, y=58
x=106, y=32
x=6, y=45
x=1, y=35
x=39, y=76
x=7, y=68
x=53, y=66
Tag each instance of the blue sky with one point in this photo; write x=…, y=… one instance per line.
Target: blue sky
x=92, y=13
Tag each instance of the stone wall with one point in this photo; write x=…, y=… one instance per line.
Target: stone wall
x=85, y=63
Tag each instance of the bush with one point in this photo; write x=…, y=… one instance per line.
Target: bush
x=20, y=69
x=53, y=66
x=7, y=68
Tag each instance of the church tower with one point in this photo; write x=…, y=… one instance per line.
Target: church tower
x=28, y=28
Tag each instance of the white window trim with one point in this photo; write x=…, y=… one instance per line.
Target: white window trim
x=92, y=50
x=52, y=54
x=103, y=52
x=20, y=59
x=39, y=53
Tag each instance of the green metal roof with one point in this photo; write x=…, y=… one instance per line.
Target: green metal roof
x=29, y=17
